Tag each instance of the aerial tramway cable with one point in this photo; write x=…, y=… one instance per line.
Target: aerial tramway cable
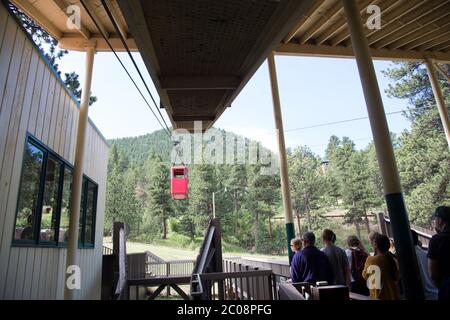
x=123, y=66
x=165, y=126
x=125, y=45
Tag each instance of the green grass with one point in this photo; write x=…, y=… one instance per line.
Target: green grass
x=178, y=246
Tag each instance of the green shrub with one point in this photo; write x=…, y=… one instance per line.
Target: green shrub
x=174, y=225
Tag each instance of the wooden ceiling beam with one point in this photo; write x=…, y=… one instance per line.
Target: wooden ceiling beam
x=115, y=15
x=329, y=14
x=88, y=4
x=418, y=33
x=405, y=17
x=78, y=43
x=431, y=20
x=62, y=6
x=293, y=49
x=29, y=9
x=298, y=27
x=133, y=13
x=423, y=40
x=442, y=47
x=340, y=24
x=444, y=38
x=385, y=6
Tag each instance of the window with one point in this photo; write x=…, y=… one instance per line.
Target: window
x=43, y=207
x=29, y=193
x=65, y=206
x=50, y=200
x=87, y=214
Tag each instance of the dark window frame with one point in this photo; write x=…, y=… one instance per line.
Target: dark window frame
x=83, y=213
x=64, y=164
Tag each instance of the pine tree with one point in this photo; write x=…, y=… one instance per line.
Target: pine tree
x=158, y=193
x=236, y=185
x=263, y=192
x=202, y=184
x=121, y=202
x=422, y=153
x=306, y=181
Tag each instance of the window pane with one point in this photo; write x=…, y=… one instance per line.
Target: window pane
x=50, y=200
x=90, y=212
x=65, y=206
x=28, y=194
x=81, y=220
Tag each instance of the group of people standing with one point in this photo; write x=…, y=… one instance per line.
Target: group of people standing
x=374, y=275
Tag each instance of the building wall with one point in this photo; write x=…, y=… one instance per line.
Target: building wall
x=33, y=99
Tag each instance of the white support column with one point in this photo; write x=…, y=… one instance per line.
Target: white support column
x=437, y=91
x=77, y=180
x=409, y=268
x=287, y=203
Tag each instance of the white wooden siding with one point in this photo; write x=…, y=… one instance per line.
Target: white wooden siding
x=33, y=99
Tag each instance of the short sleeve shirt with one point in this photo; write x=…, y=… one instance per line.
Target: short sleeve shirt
x=439, y=250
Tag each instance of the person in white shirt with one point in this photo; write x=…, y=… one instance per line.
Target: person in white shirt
x=430, y=291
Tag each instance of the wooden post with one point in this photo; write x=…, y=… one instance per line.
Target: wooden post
x=77, y=180
x=437, y=91
x=214, y=204
x=287, y=203
x=168, y=274
x=409, y=268
x=382, y=223
x=218, y=255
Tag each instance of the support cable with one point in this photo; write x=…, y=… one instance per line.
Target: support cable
x=123, y=66
x=165, y=126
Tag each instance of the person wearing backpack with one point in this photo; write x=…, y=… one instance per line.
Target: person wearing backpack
x=357, y=256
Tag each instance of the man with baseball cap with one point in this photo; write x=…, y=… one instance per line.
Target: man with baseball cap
x=439, y=253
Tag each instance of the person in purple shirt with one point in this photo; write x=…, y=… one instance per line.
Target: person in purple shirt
x=311, y=264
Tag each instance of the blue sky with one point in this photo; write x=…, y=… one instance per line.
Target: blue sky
x=312, y=90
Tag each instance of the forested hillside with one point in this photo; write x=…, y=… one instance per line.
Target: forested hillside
x=249, y=203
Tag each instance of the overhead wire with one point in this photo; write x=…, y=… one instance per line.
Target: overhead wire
x=165, y=126
x=123, y=66
x=116, y=27
x=348, y=120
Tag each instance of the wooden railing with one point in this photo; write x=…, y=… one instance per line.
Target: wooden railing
x=424, y=234
x=208, y=260
x=107, y=251
x=241, y=285
x=170, y=268
x=251, y=287
x=120, y=263
x=151, y=257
